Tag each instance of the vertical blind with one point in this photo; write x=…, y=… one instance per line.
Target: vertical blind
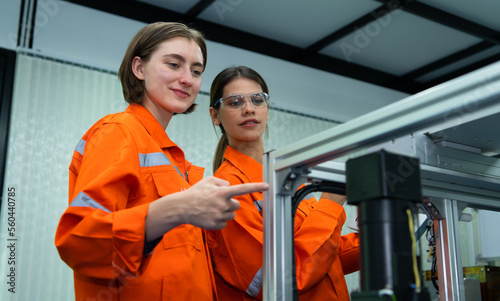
x=53, y=105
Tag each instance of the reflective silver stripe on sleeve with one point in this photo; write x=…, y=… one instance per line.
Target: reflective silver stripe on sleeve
x=259, y=205
x=309, y=196
x=256, y=284
x=83, y=200
x=80, y=146
x=156, y=159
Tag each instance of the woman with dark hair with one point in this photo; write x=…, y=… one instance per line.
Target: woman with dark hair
x=239, y=101
x=133, y=228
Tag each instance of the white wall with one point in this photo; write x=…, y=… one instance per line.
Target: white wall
x=91, y=37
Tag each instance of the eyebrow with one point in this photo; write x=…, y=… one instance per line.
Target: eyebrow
x=182, y=59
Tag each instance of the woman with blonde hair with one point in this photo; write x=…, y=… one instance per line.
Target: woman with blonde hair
x=137, y=210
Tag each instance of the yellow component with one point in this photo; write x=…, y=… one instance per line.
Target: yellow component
x=414, y=250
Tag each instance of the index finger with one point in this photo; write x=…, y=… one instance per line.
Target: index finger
x=246, y=188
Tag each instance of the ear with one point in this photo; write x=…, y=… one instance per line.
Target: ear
x=138, y=67
x=215, y=116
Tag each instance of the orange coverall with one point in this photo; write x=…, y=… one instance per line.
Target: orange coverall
x=322, y=255
x=122, y=164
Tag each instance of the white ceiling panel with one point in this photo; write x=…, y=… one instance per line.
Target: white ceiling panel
x=484, y=12
x=295, y=22
x=460, y=64
x=400, y=44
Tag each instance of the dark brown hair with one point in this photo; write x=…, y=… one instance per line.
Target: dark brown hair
x=216, y=90
x=144, y=43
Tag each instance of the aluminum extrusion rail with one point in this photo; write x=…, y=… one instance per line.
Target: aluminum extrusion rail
x=466, y=98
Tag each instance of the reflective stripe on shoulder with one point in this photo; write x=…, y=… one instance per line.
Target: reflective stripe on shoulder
x=153, y=159
x=258, y=204
x=83, y=200
x=256, y=284
x=80, y=146
x=156, y=159
x=309, y=196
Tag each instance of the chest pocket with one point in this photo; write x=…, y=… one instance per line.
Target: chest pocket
x=182, y=236
x=167, y=182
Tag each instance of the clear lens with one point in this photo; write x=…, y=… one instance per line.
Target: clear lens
x=233, y=102
x=236, y=102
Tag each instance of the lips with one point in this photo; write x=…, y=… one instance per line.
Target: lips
x=249, y=122
x=181, y=93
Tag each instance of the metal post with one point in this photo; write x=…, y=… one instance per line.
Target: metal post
x=278, y=232
x=449, y=261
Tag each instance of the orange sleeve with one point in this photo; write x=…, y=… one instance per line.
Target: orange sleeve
x=349, y=253
x=238, y=254
x=317, y=240
x=98, y=235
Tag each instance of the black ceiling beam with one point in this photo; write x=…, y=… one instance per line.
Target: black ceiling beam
x=199, y=7
x=450, y=59
x=217, y=33
x=464, y=70
x=447, y=19
x=375, y=14
x=214, y=32
x=340, y=33
x=489, y=36
x=310, y=56
x=135, y=10
x=355, y=71
x=407, y=81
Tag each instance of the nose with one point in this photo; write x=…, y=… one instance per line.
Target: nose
x=186, y=77
x=247, y=106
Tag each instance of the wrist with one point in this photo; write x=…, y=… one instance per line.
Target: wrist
x=163, y=215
